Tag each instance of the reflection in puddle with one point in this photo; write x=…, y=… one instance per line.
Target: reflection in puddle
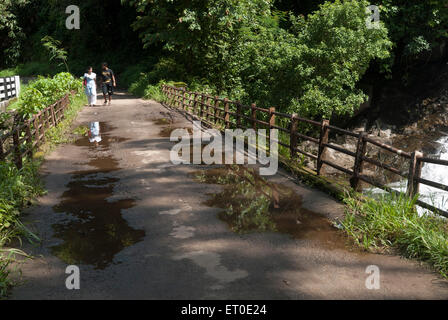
x=253, y=204
x=96, y=230
x=94, y=133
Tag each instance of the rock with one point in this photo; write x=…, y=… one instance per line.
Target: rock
x=385, y=133
x=338, y=158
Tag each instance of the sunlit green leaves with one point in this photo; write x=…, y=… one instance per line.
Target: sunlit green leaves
x=46, y=91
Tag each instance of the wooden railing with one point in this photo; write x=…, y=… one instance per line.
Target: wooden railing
x=23, y=139
x=215, y=111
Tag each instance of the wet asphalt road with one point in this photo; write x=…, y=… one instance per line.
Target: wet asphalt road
x=138, y=228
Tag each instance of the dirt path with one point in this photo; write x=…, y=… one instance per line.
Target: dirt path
x=138, y=229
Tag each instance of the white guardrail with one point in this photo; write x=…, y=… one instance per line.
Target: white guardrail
x=9, y=89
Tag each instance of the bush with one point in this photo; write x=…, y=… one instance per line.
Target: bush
x=154, y=92
x=46, y=91
x=16, y=188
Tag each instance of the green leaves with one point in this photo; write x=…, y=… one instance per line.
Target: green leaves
x=415, y=26
x=46, y=91
x=242, y=52
x=55, y=52
x=10, y=31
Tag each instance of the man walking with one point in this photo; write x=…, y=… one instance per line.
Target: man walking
x=107, y=83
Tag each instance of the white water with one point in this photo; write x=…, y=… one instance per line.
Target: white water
x=436, y=173
x=433, y=172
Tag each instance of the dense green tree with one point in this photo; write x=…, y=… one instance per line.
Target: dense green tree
x=415, y=26
x=11, y=34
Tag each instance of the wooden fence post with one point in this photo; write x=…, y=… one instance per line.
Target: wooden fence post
x=254, y=116
x=226, y=113
x=184, y=107
x=358, y=166
x=176, y=98
x=293, y=136
x=29, y=138
x=271, y=118
x=2, y=154
x=47, y=118
x=201, y=106
x=179, y=98
x=17, y=153
x=238, y=114
x=43, y=120
x=194, y=106
x=323, y=139
x=215, y=109
x=208, y=104
x=53, y=117
x=415, y=169
x=36, y=130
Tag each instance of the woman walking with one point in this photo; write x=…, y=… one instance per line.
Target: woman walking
x=90, y=84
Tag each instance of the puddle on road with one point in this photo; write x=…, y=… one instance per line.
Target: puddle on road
x=253, y=204
x=95, y=230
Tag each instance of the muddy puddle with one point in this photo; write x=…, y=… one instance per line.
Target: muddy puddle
x=253, y=204
x=94, y=231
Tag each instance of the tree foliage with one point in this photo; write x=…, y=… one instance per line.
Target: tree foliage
x=45, y=91
x=299, y=56
x=11, y=34
x=56, y=53
x=240, y=48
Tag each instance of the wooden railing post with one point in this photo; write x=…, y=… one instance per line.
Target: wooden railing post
x=176, y=98
x=271, y=118
x=194, y=105
x=29, y=138
x=238, y=114
x=215, y=109
x=47, y=118
x=2, y=153
x=209, y=106
x=17, y=153
x=358, y=166
x=169, y=95
x=53, y=118
x=415, y=169
x=254, y=116
x=226, y=113
x=323, y=139
x=183, y=99
x=36, y=130
x=41, y=120
x=293, y=136
x=201, y=106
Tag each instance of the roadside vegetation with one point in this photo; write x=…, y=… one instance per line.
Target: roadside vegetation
x=391, y=222
x=18, y=188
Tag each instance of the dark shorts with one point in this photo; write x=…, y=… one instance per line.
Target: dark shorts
x=108, y=89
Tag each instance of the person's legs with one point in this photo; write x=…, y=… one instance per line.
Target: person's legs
x=105, y=92
x=89, y=96
x=86, y=91
x=93, y=96
x=110, y=91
